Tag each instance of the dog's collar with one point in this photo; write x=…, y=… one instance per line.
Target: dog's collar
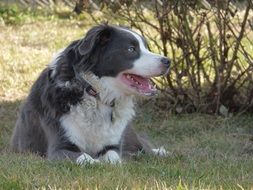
x=87, y=86
x=90, y=85
x=91, y=91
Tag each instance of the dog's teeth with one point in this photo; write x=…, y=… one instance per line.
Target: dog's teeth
x=128, y=76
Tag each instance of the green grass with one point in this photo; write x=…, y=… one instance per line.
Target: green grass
x=209, y=152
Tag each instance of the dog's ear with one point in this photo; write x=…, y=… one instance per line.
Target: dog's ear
x=99, y=35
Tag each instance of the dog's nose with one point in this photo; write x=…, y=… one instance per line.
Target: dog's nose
x=165, y=61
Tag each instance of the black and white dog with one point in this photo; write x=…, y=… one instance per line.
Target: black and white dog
x=81, y=104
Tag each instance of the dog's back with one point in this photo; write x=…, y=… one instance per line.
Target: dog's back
x=28, y=135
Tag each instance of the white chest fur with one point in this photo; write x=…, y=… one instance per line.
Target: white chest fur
x=90, y=127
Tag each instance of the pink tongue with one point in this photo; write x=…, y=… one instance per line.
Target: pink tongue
x=141, y=80
x=144, y=85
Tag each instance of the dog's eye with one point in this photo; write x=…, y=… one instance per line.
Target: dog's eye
x=131, y=49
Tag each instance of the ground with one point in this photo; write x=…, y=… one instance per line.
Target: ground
x=208, y=152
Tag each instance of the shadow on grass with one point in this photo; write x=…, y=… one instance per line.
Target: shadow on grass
x=8, y=115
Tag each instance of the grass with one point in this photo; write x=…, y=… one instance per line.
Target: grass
x=209, y=152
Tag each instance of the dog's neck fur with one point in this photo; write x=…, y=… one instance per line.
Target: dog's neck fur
x=95, y=117
x=107, y=92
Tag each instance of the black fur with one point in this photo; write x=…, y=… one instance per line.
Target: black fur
x=38, y=128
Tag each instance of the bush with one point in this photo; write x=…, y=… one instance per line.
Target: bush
x=211, y=47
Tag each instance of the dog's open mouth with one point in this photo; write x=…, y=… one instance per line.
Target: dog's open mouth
x=142, y=85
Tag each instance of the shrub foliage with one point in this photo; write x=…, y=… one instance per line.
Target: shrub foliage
x=210, y=44
x=211, y=47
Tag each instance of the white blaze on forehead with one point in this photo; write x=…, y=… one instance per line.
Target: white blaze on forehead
x=140, y=40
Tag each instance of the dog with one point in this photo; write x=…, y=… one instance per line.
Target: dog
x=81, y=105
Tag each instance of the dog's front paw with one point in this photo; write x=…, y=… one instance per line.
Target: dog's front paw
x=86, y=159
x=111, y=157
x=161, y=152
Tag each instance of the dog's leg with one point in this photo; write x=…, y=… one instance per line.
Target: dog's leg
x=63, y=154
x=79, y=157
x=161, y=152
x=86, y=159
x=60, y=148
x=111, y=157
x=132, y=143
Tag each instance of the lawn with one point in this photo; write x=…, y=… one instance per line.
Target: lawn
x=209, y=152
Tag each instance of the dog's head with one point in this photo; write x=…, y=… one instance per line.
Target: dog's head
x=121, y=59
